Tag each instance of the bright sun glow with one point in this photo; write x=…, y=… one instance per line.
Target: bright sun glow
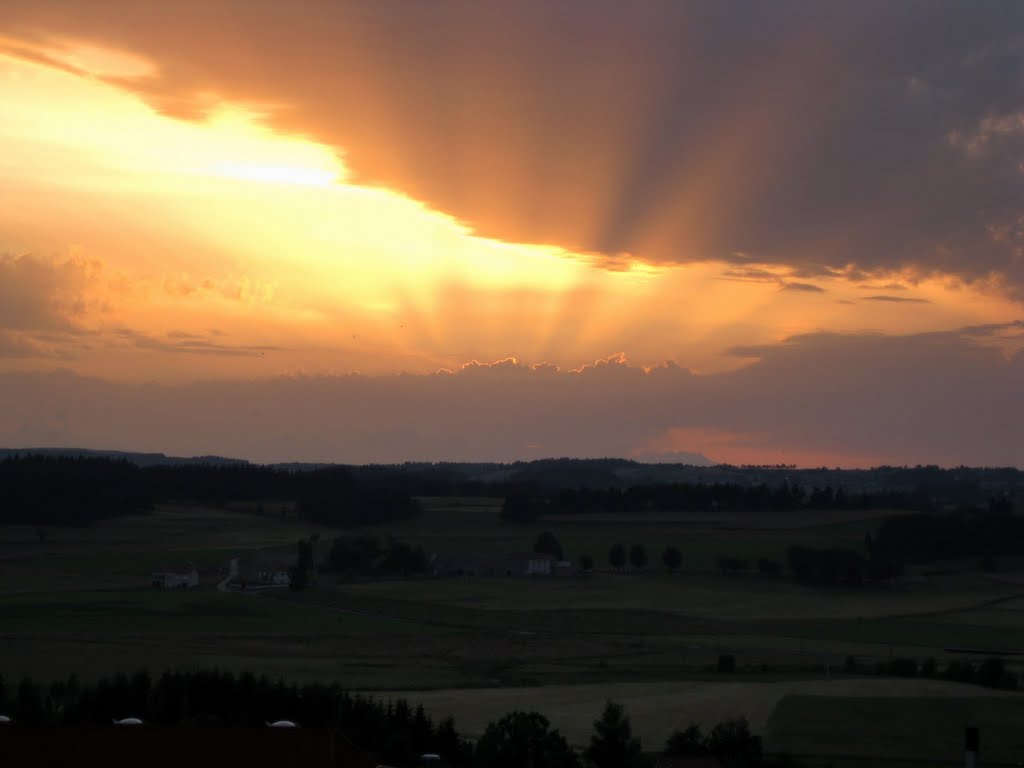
x=227, y=223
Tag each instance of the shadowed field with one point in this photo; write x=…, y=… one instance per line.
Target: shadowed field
x=78, y=601
x=657, y=709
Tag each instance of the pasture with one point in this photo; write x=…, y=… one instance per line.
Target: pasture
x=775, y=709
x=77, y=600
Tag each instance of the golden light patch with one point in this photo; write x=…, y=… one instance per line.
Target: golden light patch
x=224, y=222
x=82, y=56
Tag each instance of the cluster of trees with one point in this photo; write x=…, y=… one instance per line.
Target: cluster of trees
x=671, y=557
x=59, y=490
x=391, y=732
x=369, y=556
x=971, y=533
x=527, y=506
x=674, y=497
x=636, y=556
x=990, y=672
x=55, y=490
x=839, y=567
x=336, y=497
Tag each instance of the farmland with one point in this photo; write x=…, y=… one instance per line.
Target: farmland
x=76, y=600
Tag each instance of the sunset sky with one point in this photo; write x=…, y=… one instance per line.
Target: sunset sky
x=384, y=231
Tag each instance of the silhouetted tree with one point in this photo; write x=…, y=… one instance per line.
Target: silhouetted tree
x=686, y=743
x=586, y=563
x=613, y=745
x=354, y=554
x=547, y=544
x=402, y=558
x=453, y=749
x=638, y=556
x=303, y=568
x=672, y=558
x=734, y=745
x=617, y=556
x=521, y=740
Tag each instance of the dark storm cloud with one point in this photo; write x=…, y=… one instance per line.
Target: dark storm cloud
x=939, y=397
x=841, y=136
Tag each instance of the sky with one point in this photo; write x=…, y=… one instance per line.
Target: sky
x=780, y=232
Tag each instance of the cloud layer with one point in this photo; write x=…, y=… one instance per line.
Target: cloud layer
x=931, y=398
x=841, y=136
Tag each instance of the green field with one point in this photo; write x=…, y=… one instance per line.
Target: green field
x=78, y=601
x=917, y=729
x=658, y=709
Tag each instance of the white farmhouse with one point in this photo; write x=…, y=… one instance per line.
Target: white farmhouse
x=187, y=578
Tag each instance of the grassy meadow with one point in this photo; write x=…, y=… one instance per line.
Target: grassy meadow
x=77, y=600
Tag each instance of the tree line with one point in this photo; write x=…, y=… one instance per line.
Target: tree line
x=392, y=732
x=972, y=532
x=61, y=490
x=524, y=507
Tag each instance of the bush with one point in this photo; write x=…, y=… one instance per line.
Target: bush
x=617, y=556
x=547, y=544
x=638, y=556
x=672, y=558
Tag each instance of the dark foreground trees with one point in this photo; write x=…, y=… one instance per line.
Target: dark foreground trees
x=613, y=745
x=392, y=732
x=522, y=739
x=730, y=741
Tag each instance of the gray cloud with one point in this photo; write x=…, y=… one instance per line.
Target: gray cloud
x=940, y=397
x=897, y=299
x=19, y=345
x=802, y=287
x=192, y=344
x=831, y=136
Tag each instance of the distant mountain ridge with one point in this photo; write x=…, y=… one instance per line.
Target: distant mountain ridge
x=135, y=457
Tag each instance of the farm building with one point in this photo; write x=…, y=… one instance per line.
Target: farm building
x=496, y=564
x=184, y=578
x=264, y=570
x=272, y=567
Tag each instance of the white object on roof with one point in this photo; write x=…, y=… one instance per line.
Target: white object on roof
x=283, y=724
x=128, y=721
x=5, y=720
